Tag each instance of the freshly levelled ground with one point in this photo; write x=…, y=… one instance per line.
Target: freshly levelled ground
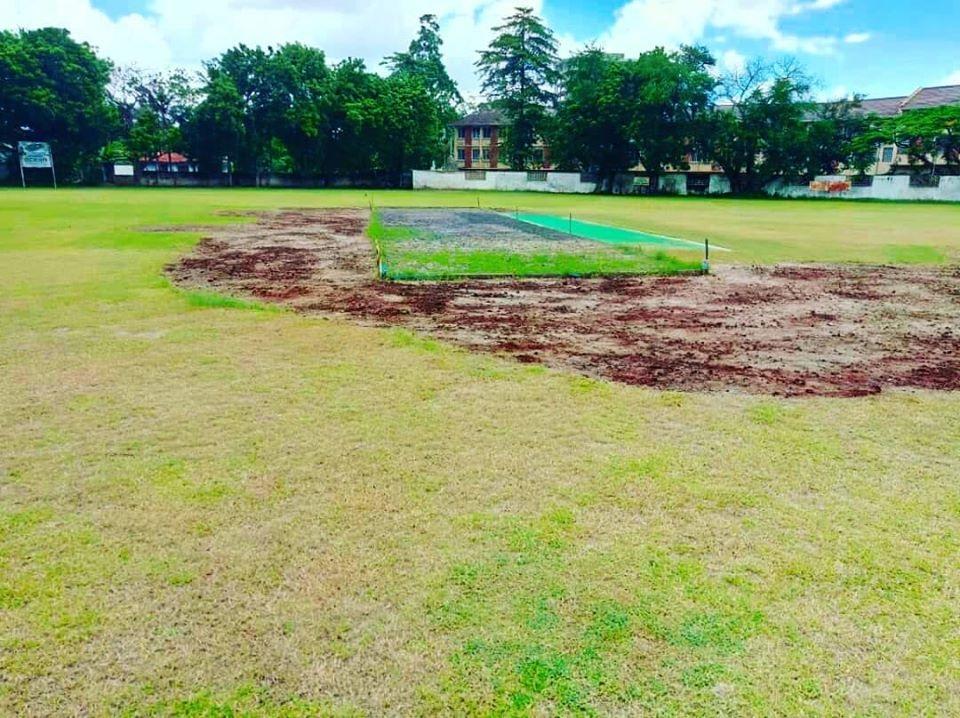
x=785, y=330
x=206, y=508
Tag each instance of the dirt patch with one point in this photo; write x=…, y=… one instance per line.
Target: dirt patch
x=791, y=330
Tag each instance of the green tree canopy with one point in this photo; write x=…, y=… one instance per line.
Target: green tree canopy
x=54, y=89
x=760, y=133
x=519, y=73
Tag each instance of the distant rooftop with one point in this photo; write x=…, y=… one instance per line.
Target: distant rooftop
x=479, y=119
x=927, y=97
x=922, y=99
x=882, y=106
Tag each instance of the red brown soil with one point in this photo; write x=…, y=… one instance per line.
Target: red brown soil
x=793, y=330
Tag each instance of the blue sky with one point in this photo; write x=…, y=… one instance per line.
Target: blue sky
x=876, y=47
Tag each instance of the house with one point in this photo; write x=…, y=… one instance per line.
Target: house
x=167, y=163
x=889, y=158
x=477, y=143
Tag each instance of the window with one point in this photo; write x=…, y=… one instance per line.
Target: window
x=485, y=153
x=487, y=132
x=461, y=154
x=476, y=133
x=887, y=156
x=476, y=153
x=461, y=132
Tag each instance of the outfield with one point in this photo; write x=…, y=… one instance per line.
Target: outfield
x=207, y=506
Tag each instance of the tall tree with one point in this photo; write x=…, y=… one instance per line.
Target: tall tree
x=54, y=89
x=592, y=131
x=423, y=61
x=519, y=73
x=831, y=139
x=262, y=103
x=215, y=130
x=669, y=94
x=759, y=133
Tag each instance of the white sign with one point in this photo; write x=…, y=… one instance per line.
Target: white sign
x=123, y=170
x=35, y=155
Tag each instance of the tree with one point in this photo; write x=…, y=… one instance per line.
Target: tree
x=423, y=61
x=248, y=76
x=153, y=107
x=669, y=95
x=302, y=77
x=519, y=72
x=926, y=136
x=215, y=130
x=410, y=126
x=615, y=113
x=831, y=139
x=53, y=89
x=592, y=131
x=759, y=134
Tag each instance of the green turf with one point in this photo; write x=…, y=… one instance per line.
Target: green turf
x=604, y=233
x=402, y=257
x=212, y=511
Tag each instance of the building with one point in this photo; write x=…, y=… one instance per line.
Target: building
x=478, y=137
x=477, y=143
x=889, y=159
x=167, y=163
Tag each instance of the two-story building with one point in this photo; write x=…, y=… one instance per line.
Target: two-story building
x=478, y=143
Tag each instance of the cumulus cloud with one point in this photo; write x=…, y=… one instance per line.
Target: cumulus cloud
x=642, y=24
x=187, y=32
x=856, y=38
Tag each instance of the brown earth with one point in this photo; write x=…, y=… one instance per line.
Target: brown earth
x=791, y=330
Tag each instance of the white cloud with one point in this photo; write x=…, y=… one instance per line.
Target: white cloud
x=952, y=79
x=187, y=32
x=855, y=38
x=731, y=61
x=642, y=24
x=838, y=92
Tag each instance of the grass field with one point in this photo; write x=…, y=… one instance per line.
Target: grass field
x=210, y=510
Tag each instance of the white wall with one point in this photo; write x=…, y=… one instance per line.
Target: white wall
x=568, y=182
x=884, y=187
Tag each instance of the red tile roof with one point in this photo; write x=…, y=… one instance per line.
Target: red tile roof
x=173, y=158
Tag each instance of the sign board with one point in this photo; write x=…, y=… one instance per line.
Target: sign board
x=641, y=181
x=35, y=155
x=120, y=170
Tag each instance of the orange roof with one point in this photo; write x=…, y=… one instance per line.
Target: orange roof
x=173, y=158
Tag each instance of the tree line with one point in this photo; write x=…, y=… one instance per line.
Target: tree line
x=287, y=109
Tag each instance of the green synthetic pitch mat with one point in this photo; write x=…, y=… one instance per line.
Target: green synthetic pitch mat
x=605, y=233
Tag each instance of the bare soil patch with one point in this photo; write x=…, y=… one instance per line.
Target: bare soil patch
x=794, y=330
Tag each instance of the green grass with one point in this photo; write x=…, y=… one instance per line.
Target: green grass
x=214, y=512
x=403, y=258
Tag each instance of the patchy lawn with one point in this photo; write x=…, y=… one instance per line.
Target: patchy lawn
x=205, y=508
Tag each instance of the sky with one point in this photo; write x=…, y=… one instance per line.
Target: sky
x=873, y=47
